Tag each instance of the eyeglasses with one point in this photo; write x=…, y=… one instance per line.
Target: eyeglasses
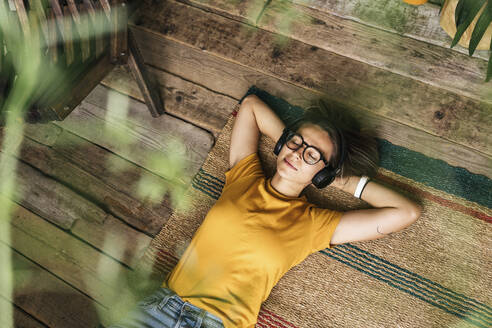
x=311, y=155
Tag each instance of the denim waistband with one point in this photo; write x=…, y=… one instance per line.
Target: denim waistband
x=172, y=300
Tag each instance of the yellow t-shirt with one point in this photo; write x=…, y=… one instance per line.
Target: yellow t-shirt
x=249, y=239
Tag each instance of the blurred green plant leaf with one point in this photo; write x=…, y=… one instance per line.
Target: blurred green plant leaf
x=465, y=13
x=480, y=28
x=179, y=199
x=151, y=188
x=172, y=163
x=458, y=12
x=116, y=164
x=469, y=10
x=116, y=124
x=489, y=66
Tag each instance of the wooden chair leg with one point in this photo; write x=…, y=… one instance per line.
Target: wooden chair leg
x=149, y=90
x=119, y=31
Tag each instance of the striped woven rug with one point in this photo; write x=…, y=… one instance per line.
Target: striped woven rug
x=435, y=273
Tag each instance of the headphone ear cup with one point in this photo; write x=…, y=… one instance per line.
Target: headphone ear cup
x=281, y=141
x=278, y=146
x=324, y=177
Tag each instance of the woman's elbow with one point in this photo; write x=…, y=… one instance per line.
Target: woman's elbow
x=407, y=216
x=412, y=213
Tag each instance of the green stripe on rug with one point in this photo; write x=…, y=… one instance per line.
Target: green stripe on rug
x=435, y=173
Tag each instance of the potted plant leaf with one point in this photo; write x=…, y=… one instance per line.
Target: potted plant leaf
x=468, y=22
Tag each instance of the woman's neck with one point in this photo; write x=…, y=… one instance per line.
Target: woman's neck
x=286, y=187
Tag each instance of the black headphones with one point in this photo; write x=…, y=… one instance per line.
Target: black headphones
x=327, y=174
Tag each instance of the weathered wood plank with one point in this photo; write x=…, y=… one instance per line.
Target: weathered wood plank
x=86, y=169
x=424, y=62
x=96, y=232
x=233, y=80
x=108, y=283
x=70, y=259
x=148, y=139
x=110, y=229
x=357, y=85
x=418, y=22
x=115, y=238
x=21, y=319
x=45, y=133
x=52, y=200
x=247, y=11
x=184, y=99
x=50, y=300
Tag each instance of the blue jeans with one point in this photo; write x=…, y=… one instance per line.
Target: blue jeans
x=165, y=309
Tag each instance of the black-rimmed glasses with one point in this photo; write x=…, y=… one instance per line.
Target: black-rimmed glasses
x=311, y=155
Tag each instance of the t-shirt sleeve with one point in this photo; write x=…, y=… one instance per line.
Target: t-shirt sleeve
x=324, y=223
x=248, y=166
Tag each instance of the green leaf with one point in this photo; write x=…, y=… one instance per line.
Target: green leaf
x=1, y=50
x=489, y=66
x=480, y=28
x=458, y=11
x=470, y=10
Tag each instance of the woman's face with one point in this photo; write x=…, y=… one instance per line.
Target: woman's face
x=299, y=171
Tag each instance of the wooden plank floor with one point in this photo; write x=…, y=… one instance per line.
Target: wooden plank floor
x=81, y=219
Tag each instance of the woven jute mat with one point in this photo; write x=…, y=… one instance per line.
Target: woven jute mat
x=435, y=273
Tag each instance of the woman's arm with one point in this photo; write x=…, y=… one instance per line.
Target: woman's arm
x=375, y=194
x=391, y=213
x=268, y=122
x=254, y=117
